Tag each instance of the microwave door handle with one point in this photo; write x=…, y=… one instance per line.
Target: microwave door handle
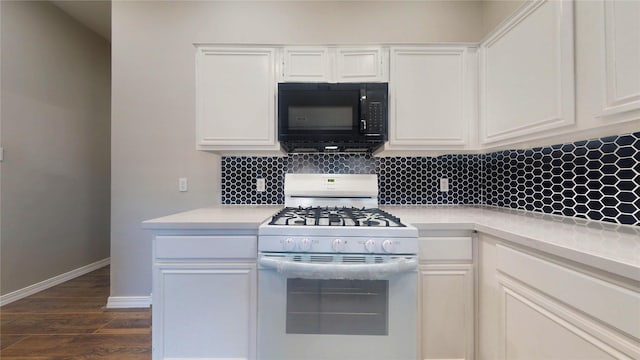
x=361, y=110
x=332, y=270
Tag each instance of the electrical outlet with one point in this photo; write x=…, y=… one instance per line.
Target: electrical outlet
x=261, y=185
x=182, y=185
x=444, y=184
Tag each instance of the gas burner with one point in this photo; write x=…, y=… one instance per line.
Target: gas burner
x=335, y=216
x=335, y=213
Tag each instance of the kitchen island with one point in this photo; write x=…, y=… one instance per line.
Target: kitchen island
x=547, y=286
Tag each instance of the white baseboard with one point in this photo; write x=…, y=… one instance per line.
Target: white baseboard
x=43, y=285
x=123, y=302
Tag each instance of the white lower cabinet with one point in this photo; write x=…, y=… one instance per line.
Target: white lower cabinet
x=204, y=305
x=480, y=297
x=446, y=303
x=535, y=307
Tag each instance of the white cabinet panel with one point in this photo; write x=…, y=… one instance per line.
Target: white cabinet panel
x=612, y=304
x=446, y=301
x=306, y=64
x=488, y=301
x=429, y=97
x=204, y=297
x=206, y=247
x=204, y=312
x=532, y=333
x=445, y=248
x=361, y=64
x=235, y=98
x=534, y=307
x=622, y=57
x=334, y=64
x=446, y=311
x=527, y=73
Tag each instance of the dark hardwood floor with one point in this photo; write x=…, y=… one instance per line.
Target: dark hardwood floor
x=70, y=321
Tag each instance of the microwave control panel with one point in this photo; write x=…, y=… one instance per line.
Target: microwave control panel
x=374, y=110
x=375, y=117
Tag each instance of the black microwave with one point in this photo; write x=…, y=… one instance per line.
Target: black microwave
x=338, y=117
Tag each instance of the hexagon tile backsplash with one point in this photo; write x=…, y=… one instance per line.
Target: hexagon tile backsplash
x=597, y=179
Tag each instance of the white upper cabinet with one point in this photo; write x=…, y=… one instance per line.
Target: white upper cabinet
x=622, y=57
x=527, y=74
x=306, y=64
x=517, y=86
x=432, y=92
x=235, y=98
x=334, y=64
x=362, y=64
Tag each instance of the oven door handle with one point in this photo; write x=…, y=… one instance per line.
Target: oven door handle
x=337, y=270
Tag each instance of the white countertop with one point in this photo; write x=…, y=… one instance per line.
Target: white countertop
x=609, y=247
x=219, y=217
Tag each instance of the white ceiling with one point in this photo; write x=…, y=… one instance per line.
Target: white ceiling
x=95, y=14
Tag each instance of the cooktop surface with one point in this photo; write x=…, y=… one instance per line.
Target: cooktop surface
x=335, y=216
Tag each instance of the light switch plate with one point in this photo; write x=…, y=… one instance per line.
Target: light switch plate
x=182, y=185
x=444, y=184
x=260, y=185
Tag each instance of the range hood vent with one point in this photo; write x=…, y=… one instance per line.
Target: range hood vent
x=330, y=147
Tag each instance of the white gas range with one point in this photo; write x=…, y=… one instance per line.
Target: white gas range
x=337, y=275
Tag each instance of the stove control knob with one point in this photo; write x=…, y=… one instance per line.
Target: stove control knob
x=370, y=245
x=387, y=246
x=304, y=244
x=288, y=244
x=338, y=245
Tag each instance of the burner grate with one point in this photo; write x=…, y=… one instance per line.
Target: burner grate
x=327, y=216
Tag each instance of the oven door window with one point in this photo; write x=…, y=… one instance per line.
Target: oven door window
x=340, y=307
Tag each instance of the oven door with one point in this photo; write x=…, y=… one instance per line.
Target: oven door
x=317, y=307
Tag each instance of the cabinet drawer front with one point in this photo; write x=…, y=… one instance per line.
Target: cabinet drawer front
x=445, y=248
x=201, y=247
x=617, y=306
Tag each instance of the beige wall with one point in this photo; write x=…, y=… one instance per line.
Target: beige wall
x=495, y=12
x=153, y=119
x=55, y=132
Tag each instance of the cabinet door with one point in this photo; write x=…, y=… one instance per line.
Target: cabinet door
x=527, y=74
x=488, y=313
x=533, y=307
x=306, y=64
x=235, y=98
x=206, y=311
x=430, y=97
x=622, y=57
x=532, y=333
x=362, y=64
x=447, y=311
